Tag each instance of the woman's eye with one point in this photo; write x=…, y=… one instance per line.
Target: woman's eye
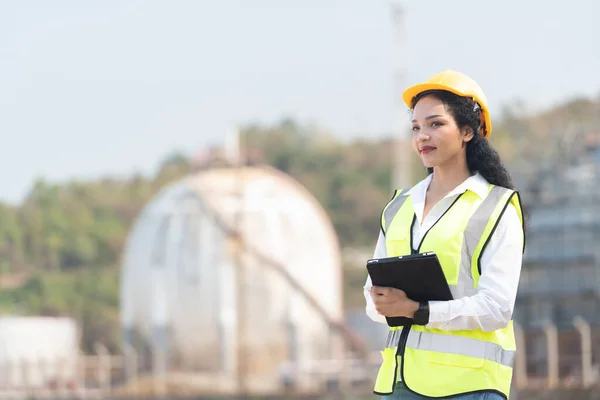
x=436, y=123
x=415, y=128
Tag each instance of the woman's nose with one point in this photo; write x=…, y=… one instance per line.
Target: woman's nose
x=422, y=136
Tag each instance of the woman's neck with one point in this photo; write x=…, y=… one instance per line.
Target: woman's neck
x=446, y=179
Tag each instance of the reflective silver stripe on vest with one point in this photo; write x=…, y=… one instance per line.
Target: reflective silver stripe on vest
x=472, y=236
x=393, y=207
x=451, y=344
x=393, y=338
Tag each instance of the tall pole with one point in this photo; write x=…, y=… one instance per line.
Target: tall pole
x=401, y=149
x=238, y=254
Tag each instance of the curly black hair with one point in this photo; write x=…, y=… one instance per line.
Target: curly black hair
x=481, y=157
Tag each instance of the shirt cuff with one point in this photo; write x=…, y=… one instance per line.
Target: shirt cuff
x=438, y=313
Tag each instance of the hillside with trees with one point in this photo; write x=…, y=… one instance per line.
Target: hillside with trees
x=60, y=248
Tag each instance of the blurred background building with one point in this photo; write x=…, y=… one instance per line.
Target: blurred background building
x=561, y=277
x=560, y=280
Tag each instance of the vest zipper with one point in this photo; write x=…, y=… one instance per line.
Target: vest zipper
x=400, y=352
x=403, y=339
x=412, y=227
x=406, y=329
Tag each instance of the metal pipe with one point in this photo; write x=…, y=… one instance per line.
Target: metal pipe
x=586, y=350
x=103, y=368
x=521, y=358
x=552, y=353
x=131, y=366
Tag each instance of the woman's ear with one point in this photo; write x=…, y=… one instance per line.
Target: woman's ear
x=467, y=134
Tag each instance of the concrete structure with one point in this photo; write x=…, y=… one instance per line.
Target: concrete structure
x=561, y=273
x=188, y=305
x=37, y=351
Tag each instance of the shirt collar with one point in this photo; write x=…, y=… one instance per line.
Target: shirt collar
x=475, y=183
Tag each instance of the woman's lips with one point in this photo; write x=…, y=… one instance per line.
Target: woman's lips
x=426, y=149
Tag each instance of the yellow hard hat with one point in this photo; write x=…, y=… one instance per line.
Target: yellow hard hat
x=457, y=83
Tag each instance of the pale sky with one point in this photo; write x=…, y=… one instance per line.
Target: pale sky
x=93, y=88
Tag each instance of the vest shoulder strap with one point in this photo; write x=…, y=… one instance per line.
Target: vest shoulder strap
x=485, y=220
x=392, y=207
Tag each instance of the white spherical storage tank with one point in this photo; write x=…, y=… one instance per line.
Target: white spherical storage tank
x=179, y=282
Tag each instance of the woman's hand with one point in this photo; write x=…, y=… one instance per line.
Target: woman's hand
x=392, y=302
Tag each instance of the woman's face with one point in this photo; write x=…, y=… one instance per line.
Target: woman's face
x=436, y=137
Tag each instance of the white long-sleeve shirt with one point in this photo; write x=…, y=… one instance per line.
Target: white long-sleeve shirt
x=492, y=306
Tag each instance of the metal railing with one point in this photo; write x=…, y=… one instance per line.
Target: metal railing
x=103, y=375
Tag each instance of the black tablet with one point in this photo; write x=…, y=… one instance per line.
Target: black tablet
x=420, y=276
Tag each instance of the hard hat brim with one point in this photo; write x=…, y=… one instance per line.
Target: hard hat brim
x=413, y=91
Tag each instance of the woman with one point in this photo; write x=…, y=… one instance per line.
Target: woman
x=469, y=214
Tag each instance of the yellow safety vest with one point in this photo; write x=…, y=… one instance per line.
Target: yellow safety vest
x=438, y=363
